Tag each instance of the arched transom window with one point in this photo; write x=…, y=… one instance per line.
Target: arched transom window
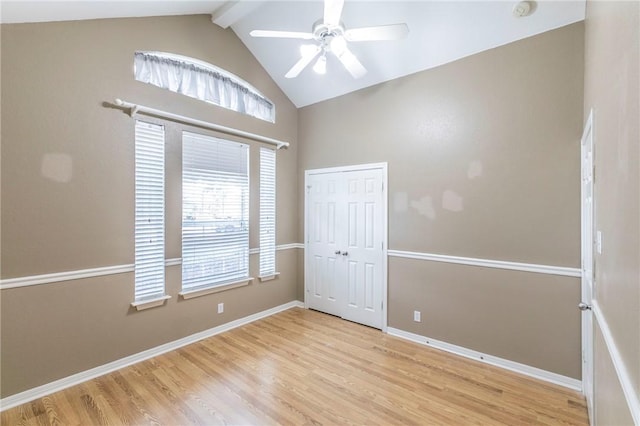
x=203, y=81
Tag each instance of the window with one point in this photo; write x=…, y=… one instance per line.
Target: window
x=215, y=212
x=203, y=81
x=267, y=213
x=149, y=213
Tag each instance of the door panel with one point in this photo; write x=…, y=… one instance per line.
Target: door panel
x=324, y=275
x=344, y=248
x=364, y=247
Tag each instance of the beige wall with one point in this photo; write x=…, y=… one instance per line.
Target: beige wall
x=484, y=161
x=612, y=89
x=514, y=315
x=611, y=407
x=55, y=79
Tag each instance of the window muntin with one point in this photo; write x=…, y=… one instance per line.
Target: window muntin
x=267, y=212
x=215, y=212
x=201, y=80
x=149, y=212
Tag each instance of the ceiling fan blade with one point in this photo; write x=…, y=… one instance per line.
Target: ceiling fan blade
x=382, y=32
x=351, y=63
x=302, y=63
x=281, y=34
x=332, y=12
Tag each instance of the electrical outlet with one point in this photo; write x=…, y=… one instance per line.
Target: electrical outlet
x=220, y=308
x=417, y=317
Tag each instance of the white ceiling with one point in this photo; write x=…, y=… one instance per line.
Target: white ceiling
x=439, y=32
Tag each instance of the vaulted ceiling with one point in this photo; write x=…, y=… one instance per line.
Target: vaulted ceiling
x=439, y=32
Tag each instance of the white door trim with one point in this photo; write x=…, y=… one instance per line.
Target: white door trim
x=587, y=219
x=385, y=227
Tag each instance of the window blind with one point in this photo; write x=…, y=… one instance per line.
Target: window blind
x=215, y=211
x=267, y=211
x=149, y=214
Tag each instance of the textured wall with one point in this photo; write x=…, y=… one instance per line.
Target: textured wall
x=612, y=89
x=484, y=161
x=68, y=190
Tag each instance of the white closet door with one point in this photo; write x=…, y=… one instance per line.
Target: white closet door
x=363, y=251
x=324, y=268
x=345, y=244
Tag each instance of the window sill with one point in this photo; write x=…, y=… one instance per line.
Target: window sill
x=268, y=277
x=216, y=289
x=148, y=304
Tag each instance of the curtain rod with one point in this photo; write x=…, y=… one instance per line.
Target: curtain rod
x=141, y=109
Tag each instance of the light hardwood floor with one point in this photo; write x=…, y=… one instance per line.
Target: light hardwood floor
x=304, y=367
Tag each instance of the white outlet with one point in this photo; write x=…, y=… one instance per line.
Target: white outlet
x=599, y=242
x=417, y=316
x=220, y=308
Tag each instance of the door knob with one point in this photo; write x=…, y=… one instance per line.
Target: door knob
x=338, y=252
x=584, y=307
x=345, y=253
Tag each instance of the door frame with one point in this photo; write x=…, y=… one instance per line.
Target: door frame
x=587, y=244
x=385, y=226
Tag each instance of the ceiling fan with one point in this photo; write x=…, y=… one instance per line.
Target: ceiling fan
x=330, y=36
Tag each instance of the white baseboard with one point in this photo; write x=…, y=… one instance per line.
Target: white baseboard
x=527, y=370
x=75, y=379
x=633, y=399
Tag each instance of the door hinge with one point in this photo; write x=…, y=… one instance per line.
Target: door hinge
x=381, y=305
x=308, y=189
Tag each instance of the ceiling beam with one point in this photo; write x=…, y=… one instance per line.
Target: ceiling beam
x=232, y=11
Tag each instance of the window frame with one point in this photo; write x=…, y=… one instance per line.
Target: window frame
x=201, y=172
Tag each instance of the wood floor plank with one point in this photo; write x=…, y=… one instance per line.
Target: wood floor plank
x=304, y=367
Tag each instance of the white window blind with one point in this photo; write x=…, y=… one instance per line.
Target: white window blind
x=215, y=212
x=149, y=215
x=267, y=212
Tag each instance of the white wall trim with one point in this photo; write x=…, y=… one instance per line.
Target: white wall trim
x=352, y=168
x=290, y=246
x=527, y=370
x=633, y=399
x=58, y=385
x=487, y=263
x=64, y=276
x=101, y=271
x=173, y=262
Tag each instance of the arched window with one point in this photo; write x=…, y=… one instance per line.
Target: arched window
x=203, y=81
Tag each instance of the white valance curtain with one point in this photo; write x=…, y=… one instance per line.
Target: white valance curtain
x=202, y=81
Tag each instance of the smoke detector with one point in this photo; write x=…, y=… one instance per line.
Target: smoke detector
x=522, y=9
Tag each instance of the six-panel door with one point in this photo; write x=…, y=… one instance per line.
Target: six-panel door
x=345, y=244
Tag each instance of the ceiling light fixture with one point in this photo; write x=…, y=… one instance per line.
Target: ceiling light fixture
x=338, y=45
x=307, y=50
x=321, y=65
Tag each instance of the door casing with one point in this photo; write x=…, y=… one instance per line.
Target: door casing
x=588, y=277
x=385, y=212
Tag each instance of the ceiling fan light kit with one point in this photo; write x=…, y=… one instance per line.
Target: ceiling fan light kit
x=321, y=66
x=331, y=37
